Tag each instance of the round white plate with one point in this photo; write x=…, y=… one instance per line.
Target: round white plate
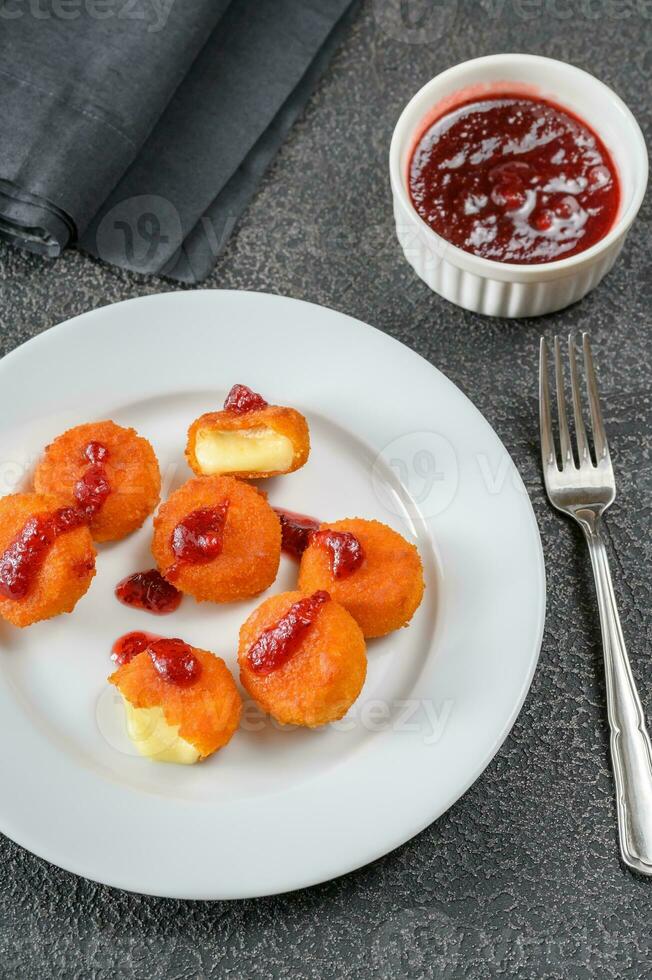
x=276, y=809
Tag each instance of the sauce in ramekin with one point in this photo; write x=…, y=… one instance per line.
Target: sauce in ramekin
x=514, y=179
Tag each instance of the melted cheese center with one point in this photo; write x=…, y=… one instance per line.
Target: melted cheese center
x=155, y=738
x=259, y=450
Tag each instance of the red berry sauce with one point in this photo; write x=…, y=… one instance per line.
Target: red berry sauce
x=345, y=552
x=130, y=645
x=296, y=531
x=199, y=537
x=242, y=399
x=148, y=591
x=514, y=179
x=93, y=487
x=22, y=559
x=278, y=643
x=173, y=659
x=175, y=662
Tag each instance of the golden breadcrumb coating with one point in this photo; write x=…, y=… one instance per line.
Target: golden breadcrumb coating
x=385, y=591
x=284, y=421
x=66, y=572
x=322, y=678
x=131, y=467
x=207, y=712
x=251, y=548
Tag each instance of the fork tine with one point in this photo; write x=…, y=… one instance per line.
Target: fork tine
x=564, y=434
x=545, y=419
x=580, y=428
x=597, y=425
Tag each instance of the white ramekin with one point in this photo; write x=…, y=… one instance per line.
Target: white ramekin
x=504, y=288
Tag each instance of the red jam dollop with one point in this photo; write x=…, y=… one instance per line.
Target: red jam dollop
x=22, y=559
x=345, y=552
x=278, y=643
x=199, y=537
x=175, y=662
x=514, y=179
x=173, y=659
x=242, y=399
x=130, y=645
x=296, y=531
x=148, y=591
x=92, y=488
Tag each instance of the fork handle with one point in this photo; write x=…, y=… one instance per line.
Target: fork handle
x=631, y=754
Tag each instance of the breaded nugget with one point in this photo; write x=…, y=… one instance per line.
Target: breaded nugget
x=47, y=558
x=182, y=703
x=217, y=539
x=385, y=585
x=302, y=658
x=109, y=472
x=249, y=438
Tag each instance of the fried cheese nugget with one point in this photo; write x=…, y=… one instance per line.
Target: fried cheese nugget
x=248, y=438
x=181, y=703
x=367, y=567
x=302, y=658
x=217, y=539
x=47, y=558
x=107, y=471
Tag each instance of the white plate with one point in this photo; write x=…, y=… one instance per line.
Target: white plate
x=275, y=810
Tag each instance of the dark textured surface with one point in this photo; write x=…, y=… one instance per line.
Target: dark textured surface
x=520, y=877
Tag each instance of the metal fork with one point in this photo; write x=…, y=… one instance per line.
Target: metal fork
x=584, y=489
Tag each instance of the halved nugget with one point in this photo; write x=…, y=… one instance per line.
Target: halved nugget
x=248, y=438
x=181, y=702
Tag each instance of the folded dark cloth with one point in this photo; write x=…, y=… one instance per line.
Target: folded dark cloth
x=142, y=133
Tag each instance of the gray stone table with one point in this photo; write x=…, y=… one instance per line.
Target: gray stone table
x=521, y=876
